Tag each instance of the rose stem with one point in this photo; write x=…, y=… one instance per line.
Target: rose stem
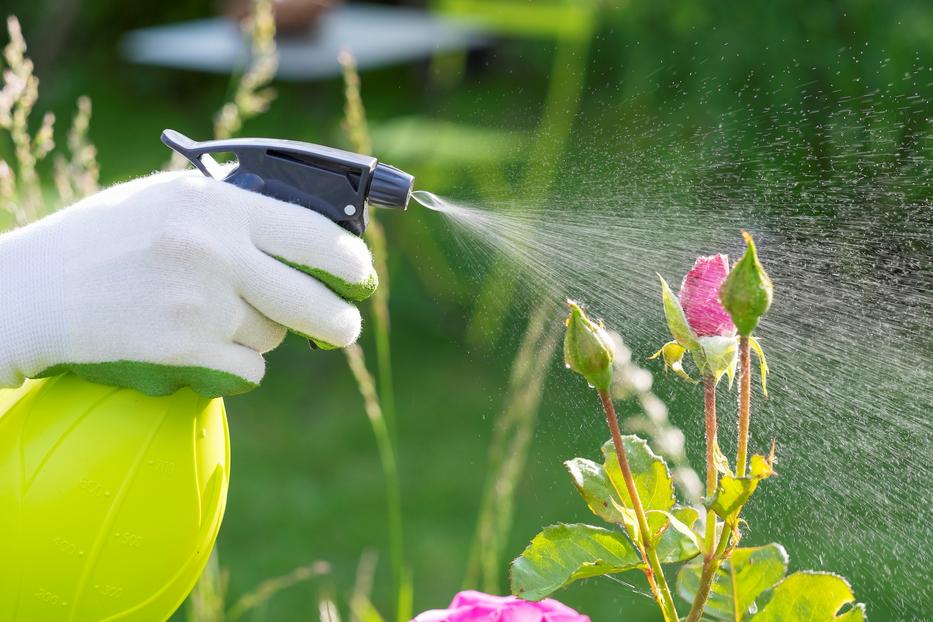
x=710, y=561
x=654, y=570
x=710, y=567
x=745, y=389
x=714, y=558
x=712, y=474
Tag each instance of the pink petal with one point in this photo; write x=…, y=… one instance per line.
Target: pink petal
x=472, y=606
x=699, y=297
x=433, y=615
x=473, y=597
x=521, y=614
x=554, y=606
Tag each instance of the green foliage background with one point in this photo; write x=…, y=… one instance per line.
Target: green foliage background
x=306, y=478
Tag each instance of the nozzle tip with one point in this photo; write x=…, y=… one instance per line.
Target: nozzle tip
x=390, y=187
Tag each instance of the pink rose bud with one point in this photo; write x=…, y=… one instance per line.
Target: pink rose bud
x=470, y=606
x=699, y=297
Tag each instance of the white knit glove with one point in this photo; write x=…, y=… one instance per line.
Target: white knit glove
x=174, y=280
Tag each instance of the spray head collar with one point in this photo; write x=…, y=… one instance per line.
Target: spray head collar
x=337, y=184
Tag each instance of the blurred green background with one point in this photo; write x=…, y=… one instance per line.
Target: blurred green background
x=306, y=482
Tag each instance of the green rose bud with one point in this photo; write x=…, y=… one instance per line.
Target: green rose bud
x=588, y=349
x=746, y=293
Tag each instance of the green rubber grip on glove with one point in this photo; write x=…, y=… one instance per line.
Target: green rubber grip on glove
x=111, y=499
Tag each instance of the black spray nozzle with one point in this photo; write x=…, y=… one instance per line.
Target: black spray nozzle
x=390, y=187
x=338, y=184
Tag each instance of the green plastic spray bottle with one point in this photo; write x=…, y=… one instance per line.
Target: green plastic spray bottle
x=111, y=500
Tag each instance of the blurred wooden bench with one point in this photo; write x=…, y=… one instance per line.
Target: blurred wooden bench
x=377, y=35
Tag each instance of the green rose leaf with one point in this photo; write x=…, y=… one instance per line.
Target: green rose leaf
x=650, y=472
x=562, y=554
x=733, y=492
x=746, y=292
x=731, y=495
x=677, y=541
x=747, y=574
x=811, y=597
x=591, y=480
x=676, y=320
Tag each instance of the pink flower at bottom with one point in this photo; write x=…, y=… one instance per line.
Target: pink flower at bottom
x=699, y=297
x=471, y=606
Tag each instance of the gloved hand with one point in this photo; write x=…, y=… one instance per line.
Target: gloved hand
x=174, y=280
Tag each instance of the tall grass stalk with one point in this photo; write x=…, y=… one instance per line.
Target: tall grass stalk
x=508, y=451
x=380, y=406
x=264, y=592
x=361, y=606
x=251, y=94
x=21, y=195
x=327, y=609
x=21, y=189
x=357, y=131
x=78, y=175
x=208, y=600
x=7, y=190
x=364, y=381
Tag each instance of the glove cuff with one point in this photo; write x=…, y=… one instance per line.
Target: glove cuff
x=30, y=302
